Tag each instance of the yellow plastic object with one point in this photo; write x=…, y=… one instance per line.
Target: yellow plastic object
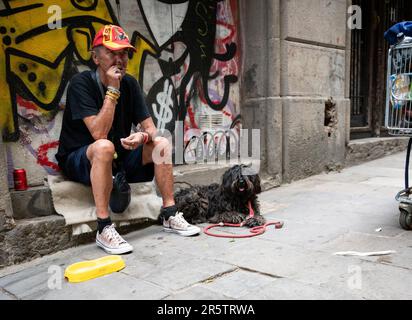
x=86, y=270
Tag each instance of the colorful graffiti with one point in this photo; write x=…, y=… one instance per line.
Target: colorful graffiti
x=36, y=61
x=201, y=55
x=198, y=74
x=187, y=62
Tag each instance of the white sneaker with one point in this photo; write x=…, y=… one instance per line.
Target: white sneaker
x=111, y=241
x=179, y=225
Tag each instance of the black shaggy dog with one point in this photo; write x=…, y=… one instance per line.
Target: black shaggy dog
x=227, y=202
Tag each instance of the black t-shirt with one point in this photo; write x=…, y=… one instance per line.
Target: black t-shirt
x=84, y=98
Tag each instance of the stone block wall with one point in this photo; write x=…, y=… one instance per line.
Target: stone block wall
x=260, y=86
x=296, y=60
x=6, y=212
x=313, y=69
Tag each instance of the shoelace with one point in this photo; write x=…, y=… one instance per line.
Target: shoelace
x=179, y=220
x=113, y=234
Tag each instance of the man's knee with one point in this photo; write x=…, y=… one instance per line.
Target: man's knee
x=102, y=150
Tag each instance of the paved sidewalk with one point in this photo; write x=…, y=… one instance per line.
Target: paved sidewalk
x=322, y=215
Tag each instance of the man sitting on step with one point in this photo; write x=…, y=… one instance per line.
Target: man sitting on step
x=96, y=140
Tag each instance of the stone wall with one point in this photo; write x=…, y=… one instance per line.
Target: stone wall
x=363, y=150
x=313, y=69
x=6, y=213
x=260, y=87
x=296, y=60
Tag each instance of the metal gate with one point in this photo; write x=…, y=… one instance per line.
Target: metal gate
x=368, y=64
x=398, y=115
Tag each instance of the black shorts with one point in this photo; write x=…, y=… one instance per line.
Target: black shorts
x=77, y=167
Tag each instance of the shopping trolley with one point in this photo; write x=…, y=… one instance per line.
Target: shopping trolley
x=398, y=115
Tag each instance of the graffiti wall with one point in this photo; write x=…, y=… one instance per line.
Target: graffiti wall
x=187, y=63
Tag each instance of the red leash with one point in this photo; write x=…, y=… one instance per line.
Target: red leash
x=255, y=231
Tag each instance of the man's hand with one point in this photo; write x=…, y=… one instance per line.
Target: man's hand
x=114, y=75
x=133, y=141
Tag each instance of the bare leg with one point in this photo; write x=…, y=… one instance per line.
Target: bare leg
x=100, y=155
x=159, y=152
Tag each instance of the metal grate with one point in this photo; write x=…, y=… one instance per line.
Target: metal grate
x=359, y=74
x=357, y=92
x=211, y=121
x=398, y=116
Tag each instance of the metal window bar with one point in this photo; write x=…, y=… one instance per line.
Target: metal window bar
x=356, y=71
x=358, y=74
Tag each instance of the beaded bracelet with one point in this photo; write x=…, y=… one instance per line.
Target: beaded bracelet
x=108, y=94
x=116, y=96
x=114, y=90
x=113, y=93
x=111, y=98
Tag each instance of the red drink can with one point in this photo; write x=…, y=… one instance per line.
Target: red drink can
x=20, y=180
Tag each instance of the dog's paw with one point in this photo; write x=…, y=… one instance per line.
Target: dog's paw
x=215, y=219
x=237, y=219
x=228, y=217
x=254, y=222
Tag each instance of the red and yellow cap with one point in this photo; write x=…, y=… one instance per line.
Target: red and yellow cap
x=113, y=38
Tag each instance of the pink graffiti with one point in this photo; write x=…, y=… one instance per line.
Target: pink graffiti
x=26, y=104
x=191, y=115
x=42, y=157
x=228, y=29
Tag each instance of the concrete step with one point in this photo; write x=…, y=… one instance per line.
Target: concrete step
x=35, y=237
x=363, y=150
x=31, y=203
x=32, y=238
x=37, y=201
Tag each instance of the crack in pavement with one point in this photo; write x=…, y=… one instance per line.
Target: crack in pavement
x=8, y=293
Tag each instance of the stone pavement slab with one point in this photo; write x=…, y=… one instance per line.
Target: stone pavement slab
x=113, y=286
x=6, y=296
x=238, y=283
x=197, y=292
x=287, y=289
x=361, y=242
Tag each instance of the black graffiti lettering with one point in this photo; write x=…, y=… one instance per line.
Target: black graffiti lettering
x=85, y=5
x=198, y=33
x=220, y=105
x=202, y=48
x=203, y=33
x=228, y=55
